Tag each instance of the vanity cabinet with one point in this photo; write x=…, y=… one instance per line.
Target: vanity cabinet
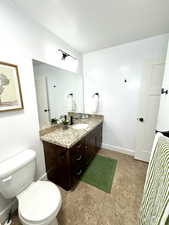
x=65, y=166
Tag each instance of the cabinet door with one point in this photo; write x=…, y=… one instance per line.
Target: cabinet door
x=94, y=141
x=88, y=149
x=57, y=165
x=78, y=161
x=99, y=137
x=91, y=145
x=77, y=155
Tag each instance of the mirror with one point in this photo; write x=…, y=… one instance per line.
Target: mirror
x=58, y=92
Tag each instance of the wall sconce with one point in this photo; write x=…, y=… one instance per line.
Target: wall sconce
x=68, y=61
x=64, y=55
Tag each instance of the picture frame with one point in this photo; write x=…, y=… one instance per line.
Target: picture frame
x=10, y=89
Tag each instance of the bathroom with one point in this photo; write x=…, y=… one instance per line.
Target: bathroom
x=113, y=69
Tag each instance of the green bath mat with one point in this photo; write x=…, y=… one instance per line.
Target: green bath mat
x=100, y=173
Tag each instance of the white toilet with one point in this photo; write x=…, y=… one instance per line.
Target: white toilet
x=38, y=202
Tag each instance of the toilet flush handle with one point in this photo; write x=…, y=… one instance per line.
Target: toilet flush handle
x=7, y=179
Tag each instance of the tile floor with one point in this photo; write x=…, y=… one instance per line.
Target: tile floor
x=87, y=205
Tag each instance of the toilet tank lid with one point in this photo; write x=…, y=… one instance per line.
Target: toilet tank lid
x=16, y=162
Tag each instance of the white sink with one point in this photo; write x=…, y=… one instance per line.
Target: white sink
x=80, y=126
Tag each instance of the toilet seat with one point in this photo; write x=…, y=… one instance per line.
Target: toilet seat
x=39, y=203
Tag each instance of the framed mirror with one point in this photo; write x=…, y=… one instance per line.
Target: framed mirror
x=58, y=92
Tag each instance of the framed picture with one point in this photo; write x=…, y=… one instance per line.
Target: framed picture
x=10, y=90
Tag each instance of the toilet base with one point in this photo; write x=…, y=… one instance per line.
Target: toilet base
x=53, y=222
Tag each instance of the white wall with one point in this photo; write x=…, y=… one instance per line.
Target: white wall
x=20, y=41
x=163, y=117
x=105, y=71
x=66, y=82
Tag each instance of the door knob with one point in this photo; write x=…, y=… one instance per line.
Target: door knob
x=140, y=119
x=46, y=110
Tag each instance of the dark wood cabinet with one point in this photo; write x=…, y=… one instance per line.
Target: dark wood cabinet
x=65, y=166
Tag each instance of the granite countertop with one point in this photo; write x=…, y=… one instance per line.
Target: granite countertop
x=69, y=137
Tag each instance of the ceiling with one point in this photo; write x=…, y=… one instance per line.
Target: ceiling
x=88, y=25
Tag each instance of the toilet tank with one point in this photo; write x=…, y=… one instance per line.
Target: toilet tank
x=17, y=173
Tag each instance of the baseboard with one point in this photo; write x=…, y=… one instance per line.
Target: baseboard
x=118, y=149
x=5, y=212
x=43, y=177
x=143, y=156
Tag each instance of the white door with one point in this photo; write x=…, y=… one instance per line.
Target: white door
x=150, y=92
x=56, y=97
x=42, y=99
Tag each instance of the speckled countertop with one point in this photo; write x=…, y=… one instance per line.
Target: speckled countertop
x=69, y=137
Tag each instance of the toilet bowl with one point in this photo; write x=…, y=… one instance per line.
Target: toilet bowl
x=38, y=202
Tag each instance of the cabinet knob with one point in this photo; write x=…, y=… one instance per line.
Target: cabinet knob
x=79, y=146
x=79, y=172
x=79, y=158
x=62, y=155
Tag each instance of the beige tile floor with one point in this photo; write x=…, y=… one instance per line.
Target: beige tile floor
x=87, y=205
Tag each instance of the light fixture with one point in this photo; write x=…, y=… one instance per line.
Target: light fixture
x=67, y=61
x=64, y=55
